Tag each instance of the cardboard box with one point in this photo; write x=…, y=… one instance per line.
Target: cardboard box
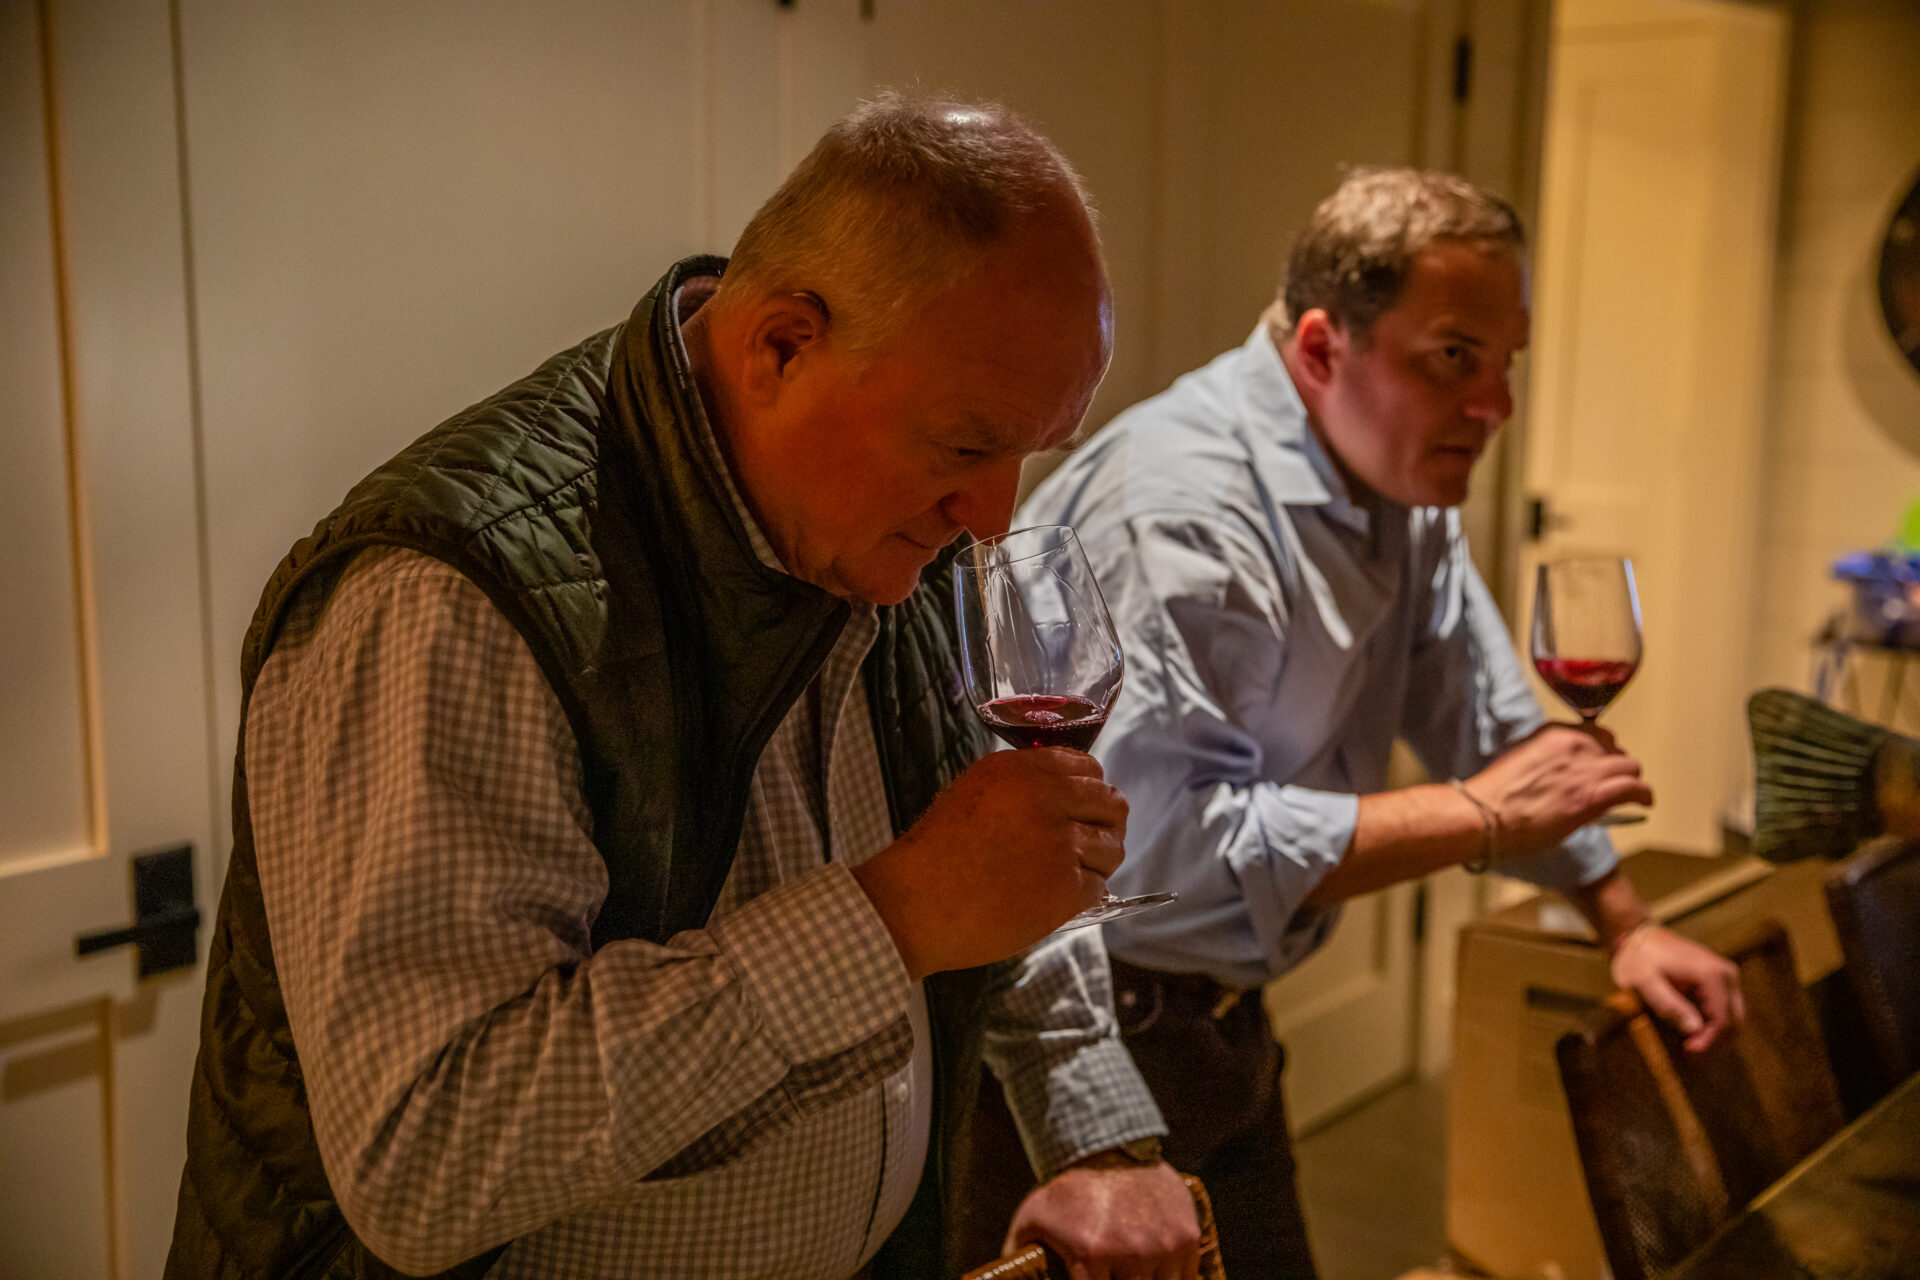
x=1516, y=1202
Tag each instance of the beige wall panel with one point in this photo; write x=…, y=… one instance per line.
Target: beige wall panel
x=1268, y=117
x=1044, y=61
x=1843, y=450
x=54, y=1207
x=43, y=782
x=737, y=66
x=400, y=208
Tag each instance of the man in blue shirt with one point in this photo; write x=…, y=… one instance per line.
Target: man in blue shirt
x=1276, y=537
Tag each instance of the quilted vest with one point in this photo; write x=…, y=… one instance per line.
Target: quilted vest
x=584, y=502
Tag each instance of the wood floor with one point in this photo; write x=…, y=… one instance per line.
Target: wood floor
x=1373, y=1185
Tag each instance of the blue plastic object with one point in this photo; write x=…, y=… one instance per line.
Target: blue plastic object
x=1886, y=597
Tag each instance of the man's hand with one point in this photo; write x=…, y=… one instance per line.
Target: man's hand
x=1113, y=1223
x=1554, y=780
x=1681, y=981
x=1019, y=842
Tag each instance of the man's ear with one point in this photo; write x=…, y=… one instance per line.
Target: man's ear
x=1319, y=346
x=782, y=330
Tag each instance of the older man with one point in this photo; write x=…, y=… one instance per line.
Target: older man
x=616, y=887
x=1276, y=538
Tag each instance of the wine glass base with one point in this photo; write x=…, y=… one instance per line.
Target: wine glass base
x=1114, y=908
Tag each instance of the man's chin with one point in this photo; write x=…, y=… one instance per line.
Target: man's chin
x=882, y=584
x=1442, y=486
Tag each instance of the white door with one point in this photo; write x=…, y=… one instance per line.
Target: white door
x=1651, y=311
x=103, y=694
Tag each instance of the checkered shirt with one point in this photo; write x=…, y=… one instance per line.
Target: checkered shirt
x=749, y=1099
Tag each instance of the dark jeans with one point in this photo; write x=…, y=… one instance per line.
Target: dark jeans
x=1217, y=1080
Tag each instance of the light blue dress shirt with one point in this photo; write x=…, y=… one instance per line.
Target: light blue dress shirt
x=1278, y=637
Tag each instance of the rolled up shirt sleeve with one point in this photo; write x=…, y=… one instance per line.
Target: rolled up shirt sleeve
x=1204, y=629
x=1468, y=701
x=1054, y=1043
x=475, y=1069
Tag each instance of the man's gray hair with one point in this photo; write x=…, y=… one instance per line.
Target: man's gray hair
x=1353, y=257
x=897, y=202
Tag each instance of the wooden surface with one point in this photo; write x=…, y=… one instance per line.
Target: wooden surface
x=1851, y=1209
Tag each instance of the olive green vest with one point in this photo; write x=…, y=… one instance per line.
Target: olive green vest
x=585, y=503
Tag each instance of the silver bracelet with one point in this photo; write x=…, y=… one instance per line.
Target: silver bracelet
x=1490, y=847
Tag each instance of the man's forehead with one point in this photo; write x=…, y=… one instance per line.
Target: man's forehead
x=991, y=435
x=1468, y=291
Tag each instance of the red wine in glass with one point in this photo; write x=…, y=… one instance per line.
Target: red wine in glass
x=1039, y=653
x=1044, y=720
x=1585, y=684
x=1586, y=636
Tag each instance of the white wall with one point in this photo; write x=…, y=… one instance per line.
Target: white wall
x=397, y=209
x=1843, y=450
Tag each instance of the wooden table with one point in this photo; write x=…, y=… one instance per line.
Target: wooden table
x=1850, y=1210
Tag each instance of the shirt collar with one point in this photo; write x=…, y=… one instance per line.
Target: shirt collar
x=686, y=300
x=1294, y=466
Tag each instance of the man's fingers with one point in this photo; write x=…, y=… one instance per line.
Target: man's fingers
x=1599, y=734
x=1101, y=859
x=1093, y=802
x=1184, y=1265
x=1721, y=1002
x=1064, y=760
x=1619, y=791
x=1616, y=780
x=1665, y=1000
x=1715, y=1005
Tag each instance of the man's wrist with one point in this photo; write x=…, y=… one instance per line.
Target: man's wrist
x=1491, y=829
x=1135, y=1153
x=1618, y=943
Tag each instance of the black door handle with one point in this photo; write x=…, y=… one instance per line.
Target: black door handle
x=166, y=922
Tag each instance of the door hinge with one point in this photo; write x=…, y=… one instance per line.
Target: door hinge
x=1462, y=68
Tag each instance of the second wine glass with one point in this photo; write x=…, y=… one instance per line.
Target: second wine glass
x=1586, y=636
x=1039, y=654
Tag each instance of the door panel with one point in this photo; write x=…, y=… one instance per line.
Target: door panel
x=45, y=813
x=1346, y=1016
x=55, y=1128
x=1652, y=308
x=92, y=1095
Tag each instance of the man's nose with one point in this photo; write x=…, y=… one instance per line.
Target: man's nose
x=984, y=504
x=1491, y=401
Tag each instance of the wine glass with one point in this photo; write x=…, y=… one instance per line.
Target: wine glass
x=1039, y=655
x=1586, y=637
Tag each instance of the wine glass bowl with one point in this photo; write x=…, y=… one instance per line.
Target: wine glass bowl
x=1038, y=652
x=1586, y=630
x=1586, y=637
